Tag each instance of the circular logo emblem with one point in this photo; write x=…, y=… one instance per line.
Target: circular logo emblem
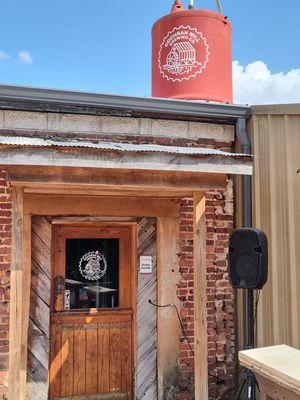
x=183, y=54
x=92, y=266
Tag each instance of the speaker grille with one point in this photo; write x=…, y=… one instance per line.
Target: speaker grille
x=247, y=259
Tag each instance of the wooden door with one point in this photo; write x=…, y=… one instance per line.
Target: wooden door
x=92, y=312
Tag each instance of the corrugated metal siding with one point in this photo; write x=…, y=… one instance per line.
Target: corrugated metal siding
x=24, y=141
x=276, y=210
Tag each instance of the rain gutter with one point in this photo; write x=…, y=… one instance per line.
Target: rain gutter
x=52, y=100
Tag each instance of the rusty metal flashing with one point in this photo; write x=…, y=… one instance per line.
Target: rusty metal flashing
x=52, y=100
x=23, y=141
x=59, y=155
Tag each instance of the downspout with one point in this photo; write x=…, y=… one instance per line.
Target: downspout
x=243, y=139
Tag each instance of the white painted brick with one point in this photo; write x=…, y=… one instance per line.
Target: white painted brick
x=167, y=128
x=79, y=123
x=122, y=125
x=146, y=127
x=1, y=119
x=25, y=120
x=53, y=121
x=198, y=130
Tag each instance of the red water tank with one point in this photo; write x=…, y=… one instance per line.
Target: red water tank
x=192, y=56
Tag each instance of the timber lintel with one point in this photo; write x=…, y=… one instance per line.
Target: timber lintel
x=43, y=179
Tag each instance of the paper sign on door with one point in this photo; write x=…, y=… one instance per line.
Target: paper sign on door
x=146, y=264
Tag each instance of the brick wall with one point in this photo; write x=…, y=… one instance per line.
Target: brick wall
x=220, y=300
x=185, y=293
x=5, y=251
x=219, y=219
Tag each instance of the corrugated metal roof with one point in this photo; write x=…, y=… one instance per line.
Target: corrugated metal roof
x=23, y=141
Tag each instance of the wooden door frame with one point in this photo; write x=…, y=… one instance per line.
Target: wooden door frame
x=27, y=204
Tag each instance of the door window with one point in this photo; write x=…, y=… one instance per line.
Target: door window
x=92, y=273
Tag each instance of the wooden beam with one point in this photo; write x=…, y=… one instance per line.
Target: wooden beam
x=39, y=178
x=99, y=206
x=103, y=192
x=26, y=279
x=201, y=352
x=168, y=278
x=16, y=281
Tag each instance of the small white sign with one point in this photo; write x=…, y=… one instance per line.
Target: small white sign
x=67, y=299
x=146, y=264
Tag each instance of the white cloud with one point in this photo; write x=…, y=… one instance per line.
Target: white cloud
x=3, y=56
x=25, y=57
x=256, y=84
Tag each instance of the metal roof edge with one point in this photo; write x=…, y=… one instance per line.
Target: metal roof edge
x=53, y=99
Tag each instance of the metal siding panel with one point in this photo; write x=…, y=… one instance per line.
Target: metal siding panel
x=276, y=210
x=293, y=248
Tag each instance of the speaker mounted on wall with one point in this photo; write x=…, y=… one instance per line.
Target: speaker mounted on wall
x=248, y=258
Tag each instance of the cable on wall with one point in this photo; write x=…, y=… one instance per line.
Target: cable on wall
x=179, y=319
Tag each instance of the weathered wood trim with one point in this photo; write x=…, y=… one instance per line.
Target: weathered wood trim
x=166, y=210
x=38, y=178
x=36, y=338
x=201, y=351
x=16, y=307
x=25, y=297
x=93, y=220
x=146, y=374
x=94, y=206
x=168, y=328
x=107, y=192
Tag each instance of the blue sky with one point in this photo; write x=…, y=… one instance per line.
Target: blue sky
x=105, y=46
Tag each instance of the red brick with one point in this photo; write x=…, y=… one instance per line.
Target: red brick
x=5, y=257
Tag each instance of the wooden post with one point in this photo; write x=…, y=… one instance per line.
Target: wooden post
x=16, y=281
x=26, y=279
x=201, y=355
x=168, y=328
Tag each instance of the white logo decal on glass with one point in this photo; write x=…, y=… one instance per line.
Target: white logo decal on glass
x=93, y=266
x=183, y=54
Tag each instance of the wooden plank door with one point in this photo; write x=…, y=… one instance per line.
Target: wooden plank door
x=92, y=312
x=39, y=313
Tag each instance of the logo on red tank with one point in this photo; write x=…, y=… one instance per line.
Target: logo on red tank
x=183, y=54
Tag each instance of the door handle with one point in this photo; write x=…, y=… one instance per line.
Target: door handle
x=59, y=289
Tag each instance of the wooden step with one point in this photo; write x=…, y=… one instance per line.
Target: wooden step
x=107, y=396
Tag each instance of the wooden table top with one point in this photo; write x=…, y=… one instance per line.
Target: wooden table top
x=280, y=364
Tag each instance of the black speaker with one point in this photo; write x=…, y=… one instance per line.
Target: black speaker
x=248, y=258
